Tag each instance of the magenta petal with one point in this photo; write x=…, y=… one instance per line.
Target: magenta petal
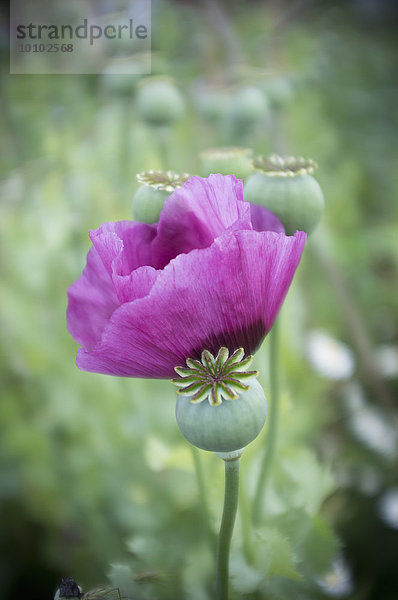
x=91, y=302
x=265, y=220
x=127, y=241
x=194, y=215
x=114, y=274
x=136, y=285
x=125, y=250
x=228, y=294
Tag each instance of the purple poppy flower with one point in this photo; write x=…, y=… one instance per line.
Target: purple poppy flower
x=212, y=272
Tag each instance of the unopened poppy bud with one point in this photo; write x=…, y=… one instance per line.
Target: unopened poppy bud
x=286, y=187
x=247, y=107
x=156, y=187
x=232, y=160
x=159, y=102
x=221, y=406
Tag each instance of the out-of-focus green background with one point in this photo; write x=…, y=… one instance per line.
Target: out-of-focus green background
x=95, y=479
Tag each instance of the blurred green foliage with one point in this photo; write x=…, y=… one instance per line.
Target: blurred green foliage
x=93, y=470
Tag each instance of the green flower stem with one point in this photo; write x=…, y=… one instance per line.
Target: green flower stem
x=272, y=432
x=163, y=141
x=227, y=525
x=203, y=495
x=124, y=156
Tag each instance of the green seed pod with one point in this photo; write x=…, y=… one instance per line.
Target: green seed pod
x=117, y=85
x=227, y=161
x=247, y=107
x=159, y=102
x=207, y=421
x=156, y=187
x=286, y=187
x=117, y=79
x=147, y=204
x=211, y=104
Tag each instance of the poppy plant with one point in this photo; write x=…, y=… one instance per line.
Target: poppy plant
x=212, y=273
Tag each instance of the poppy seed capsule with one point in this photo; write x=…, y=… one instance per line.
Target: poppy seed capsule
x=248, y=106
x=147, y=204
x=211, y=104
x=159, y=102
x=156, y=187
x=227, y=426
x=286, y=187
x=232, y=160
x=221, y=407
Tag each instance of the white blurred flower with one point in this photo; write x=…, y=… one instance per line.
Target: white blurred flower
x=338, y=581
x=388, y=508
x=329, y=357
x=371, y=428
x=387, y=360
x=367, y=423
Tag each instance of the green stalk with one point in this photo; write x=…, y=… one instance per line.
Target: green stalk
x=272, y=432
x=227, y=526
x=204, y=504
x=163, y=141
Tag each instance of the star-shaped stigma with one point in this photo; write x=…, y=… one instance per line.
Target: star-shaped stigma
x=163, y=180
x=284, y=166
x=215, y=379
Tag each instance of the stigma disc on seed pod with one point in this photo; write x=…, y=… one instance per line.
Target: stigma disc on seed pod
x=285, y=186
x=155, y=187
